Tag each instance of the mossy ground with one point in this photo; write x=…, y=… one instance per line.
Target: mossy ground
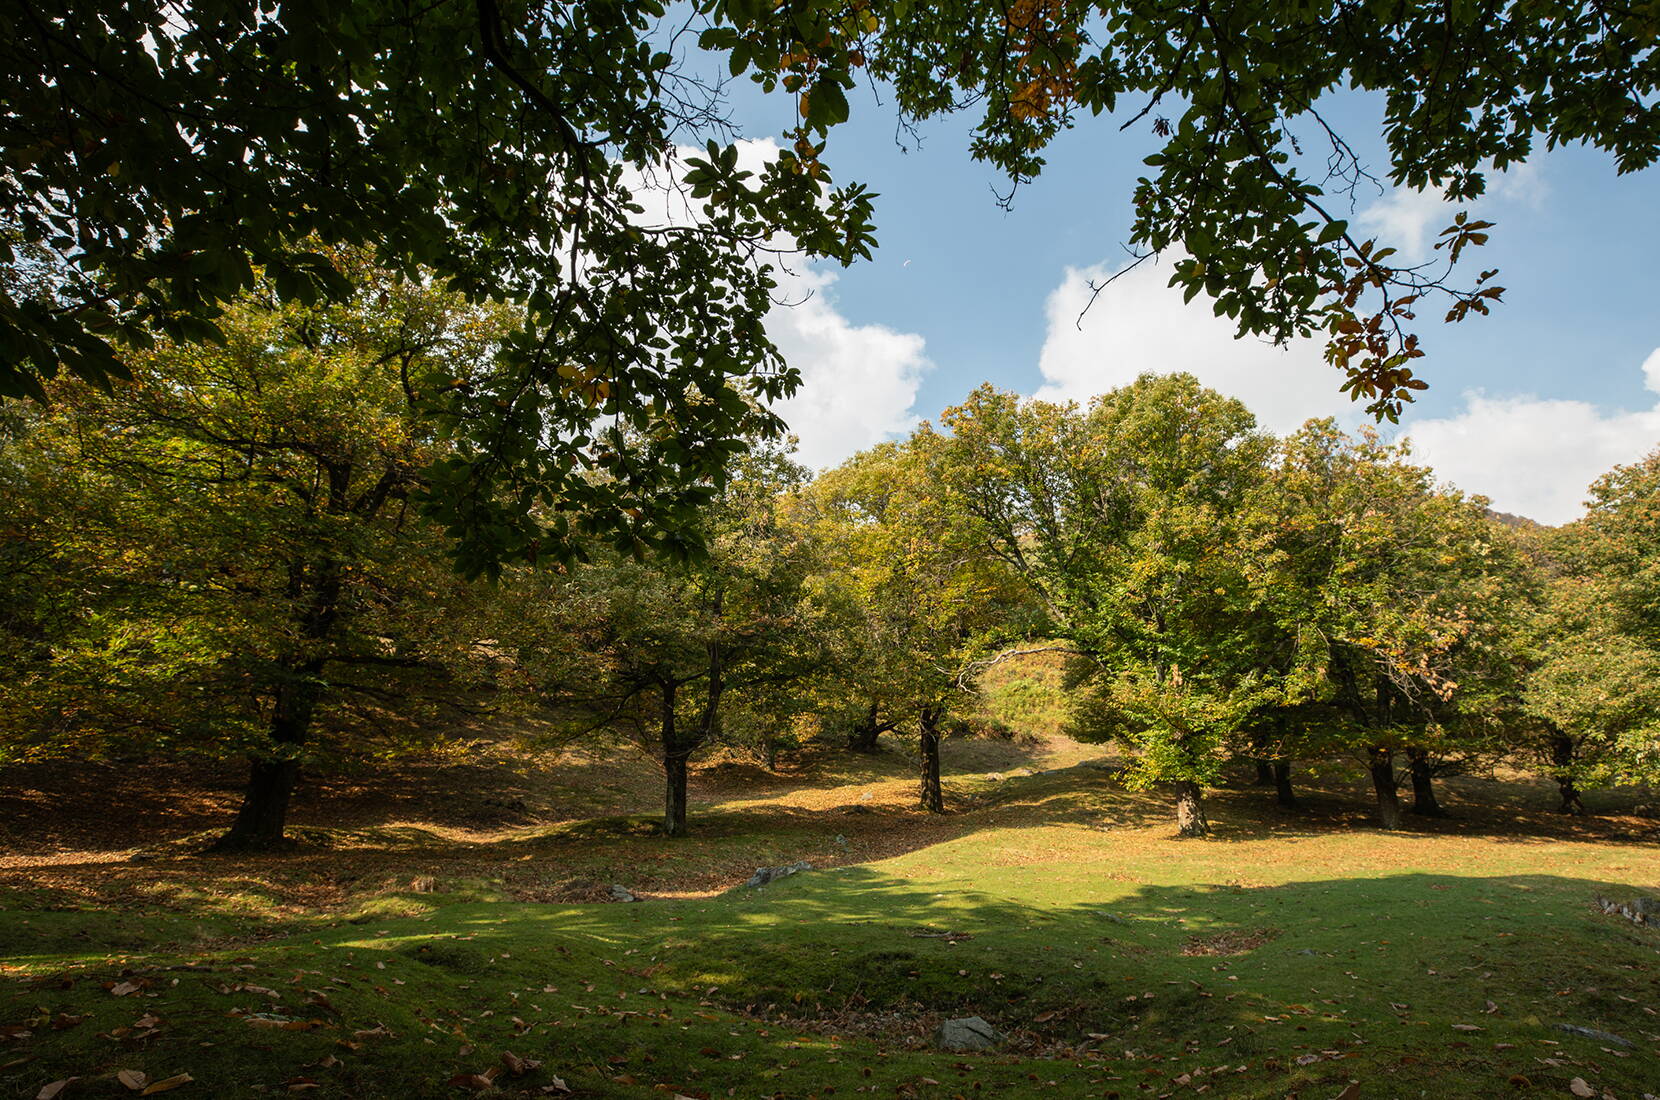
x=1301, y=954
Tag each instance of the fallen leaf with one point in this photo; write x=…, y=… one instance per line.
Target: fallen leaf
x=475, y=1082
x=1579, y=1088
x=123, y=989
x=134, y=1079
x=1466, y=1027
x=168, y=1084
x=1350, y=1092
x=55, y=1089
x=517, y=1066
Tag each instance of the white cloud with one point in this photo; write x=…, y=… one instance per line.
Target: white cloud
x=1406, y=220
x=1532, y=456
x=1535, y=456
x=1139, y=324
x=1409, y=220
x=858, y=382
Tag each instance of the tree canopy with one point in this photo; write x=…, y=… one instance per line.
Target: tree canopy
x=1251, y=176
x=156, y=159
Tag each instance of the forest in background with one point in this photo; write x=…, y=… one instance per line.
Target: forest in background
x=235, y=557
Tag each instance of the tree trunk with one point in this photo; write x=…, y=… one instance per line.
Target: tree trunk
x=1283, y=793
x=261, y=821
x=1190, y=809
x=1265, y=774
x=1382, y=768
x=263, y=817
x=1423, y=785
x=932, y=798
x=674, y=795
x=863, y=737
x=1562, y=755
x=675, y=756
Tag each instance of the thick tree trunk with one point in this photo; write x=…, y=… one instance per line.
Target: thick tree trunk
x=674, y=795
x=261, y=821
x=263, y=817
x=1562, y=755
x=1265, y=774
x=675, y=756
x=1423, y=785
x=932, y=797
x=1283, y=794
x=863, y=737
x=1190, y=809
x=1381, y=764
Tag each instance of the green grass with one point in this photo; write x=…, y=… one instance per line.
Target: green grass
x=1434, y=963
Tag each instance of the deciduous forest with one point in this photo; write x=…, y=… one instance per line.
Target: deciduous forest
x=430, y=669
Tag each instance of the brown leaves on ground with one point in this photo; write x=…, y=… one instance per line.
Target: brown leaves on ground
x=1233, y=942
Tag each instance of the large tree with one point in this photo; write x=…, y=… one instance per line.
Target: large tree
x=1596, y=686
x=157, y=158
x=1394, y=604
x=223, y=558
x=918, y=593
x=662, y=650
x=1253, y=166
x=1125, y=520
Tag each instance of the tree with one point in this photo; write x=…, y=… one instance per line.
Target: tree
x=246, y=575
x=167, y=155
x=1124, y=519
x=662, y=650
x=1395, y=603
x=919, y=596
x=1595, y=683
x=1251, y=174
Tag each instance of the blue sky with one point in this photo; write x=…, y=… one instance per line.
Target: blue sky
x=1525, y=406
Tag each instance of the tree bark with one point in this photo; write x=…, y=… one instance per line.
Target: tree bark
x=1283, y=794
x=1265, y=774
x=675, y=756
x=932, y=797
x=1562, y=756
x=674, y=795
x=1381, y=764
x=263, y=816
x=863, y=737
x=1190, y=809
x=1423, y=784
x=262, y=820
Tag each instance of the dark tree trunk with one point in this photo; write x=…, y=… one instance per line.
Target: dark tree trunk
x=675, y=756
x=1190, y=809
x=263, y=817
x=1381, y=764
x=1265, y=774
x=674, y=795
x=1562, y=756
x=261, y=821
x=1423, y=784
x=1283, y=794
x=932, y=798
x=863, y=737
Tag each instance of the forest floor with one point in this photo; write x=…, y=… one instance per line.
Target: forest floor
x=444, y=928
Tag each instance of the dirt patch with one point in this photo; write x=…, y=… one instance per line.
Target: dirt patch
x=1229, y=943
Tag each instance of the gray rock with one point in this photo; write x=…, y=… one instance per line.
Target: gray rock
x=622, y=893
x=764, y=875
x=1592, y=1033
x=1647, y=906
x=842, y=840
x=967, y=1033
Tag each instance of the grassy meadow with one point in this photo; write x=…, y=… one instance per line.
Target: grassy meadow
x=446, y=929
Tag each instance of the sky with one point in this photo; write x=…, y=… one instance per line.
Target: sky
x=1526, y=406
